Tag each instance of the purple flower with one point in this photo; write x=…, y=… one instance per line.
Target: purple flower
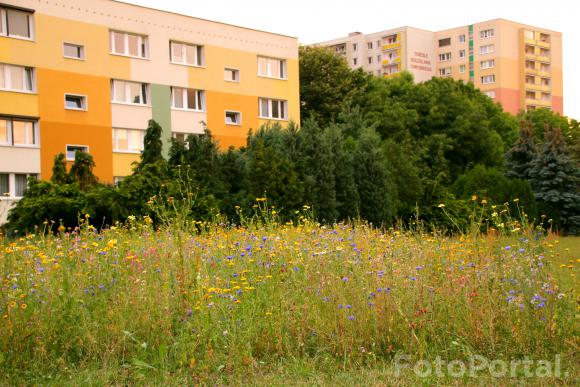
x=348, y=306
x=345, y=279
x=339, y=306
x=351, y=317
x=508, y=247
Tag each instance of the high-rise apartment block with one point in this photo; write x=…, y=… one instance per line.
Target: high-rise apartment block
x=518, y=65
x=89, y=74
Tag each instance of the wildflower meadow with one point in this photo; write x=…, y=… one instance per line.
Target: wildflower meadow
x=186, y=302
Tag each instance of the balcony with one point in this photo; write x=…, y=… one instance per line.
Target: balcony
x=538, y=87
x=391, y=46
x=531, y=71
x=538, y=102
x=387, y=62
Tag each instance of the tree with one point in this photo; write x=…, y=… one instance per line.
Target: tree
x=82, y=170
x=152, y=145
x=317, y=171
x=59, y=174
x=556, y=183
x=520, y=157
x=372, y=179
x=326, y=82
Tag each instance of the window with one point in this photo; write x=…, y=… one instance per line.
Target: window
x=273, y=108
x=545, y=38
x=379, y=58
x=71, y=151
x=14, y=184
x=462, y=69
x=233, y=118
x=355, y=61
x=485, y=34
x=488, y=79
x=4, y=184
x=530, y=64
x=271, y=67
x=17, y=132
x=545, y=81
x=186, y=54
x=490, y=94
x=231, y=75
x=546, y=97
x=529, y=34
x=462, y=53
x=488, y=49
x=16, y=23
x=17, y=78
x=117, y=180
x=354, y=46
x=544, y=52
x=378, y=44
x=73, y=51
x=530, y=80
x=370, y=45
x=444, y=42
x=75, y=102
x=530, y=94
x=370, y=59
x=188, y=99
x=445, y=57
x=544, y=67
x=129, y=92
x=124, y=43
x=487, y=64
x=128, y=140
x=444, y=72
x=461, y=38
x=391, y=39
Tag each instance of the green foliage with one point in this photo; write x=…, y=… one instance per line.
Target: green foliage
x=520, y=158
x=556, y=182
x=326, y=82
x=152, y=151
x=493, y=185
x=81, y=171
x=46, y=205
x=59, y=173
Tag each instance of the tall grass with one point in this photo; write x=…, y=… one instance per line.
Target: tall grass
x=193, y=298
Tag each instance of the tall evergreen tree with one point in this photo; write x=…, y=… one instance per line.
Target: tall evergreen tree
x=520, y=158
x=556, y=183
x=372, y=179
x=317, y=170
x=59, y=174
x=82, y=170
x=152, y=145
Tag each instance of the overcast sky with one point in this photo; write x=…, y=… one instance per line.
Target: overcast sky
x=318, y=20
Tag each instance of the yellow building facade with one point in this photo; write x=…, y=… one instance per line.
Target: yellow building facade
x=517, y=65
x=90, y=74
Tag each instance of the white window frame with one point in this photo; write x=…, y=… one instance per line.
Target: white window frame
x=487, y=34
x=445, y=57
x=200, y=95
x=138, y=150
x=238, y=113
x=233, y=71
x=282, y=107
x=199, y=54
x=462, y=69
x=281, y=63
x=75, y=145
x=461, y=38
x=11, y=194
x=4, y=18
x=490, y=93
x=487, y=64
x=143, y=87
x=80, y=47
x=84, y=102
x=487, y=49
x=462, y=53
x=143, y=44
x=10, y=133
x=445, y=71
x=487, y=79
x=5, y=67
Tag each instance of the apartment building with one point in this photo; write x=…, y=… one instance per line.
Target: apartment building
x=517, y=65
x=89, y=74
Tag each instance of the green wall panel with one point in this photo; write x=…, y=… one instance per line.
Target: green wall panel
x=161, y=103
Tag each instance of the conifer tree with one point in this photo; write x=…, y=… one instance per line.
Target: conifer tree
x=82, y=170
x=520, y=157
x=59, y=174
x=152, y=145
x=556, y=183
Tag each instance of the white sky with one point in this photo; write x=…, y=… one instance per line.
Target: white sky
x=318, y=20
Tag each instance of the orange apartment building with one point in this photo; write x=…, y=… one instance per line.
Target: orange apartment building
x=518, y=65
x=89, y=74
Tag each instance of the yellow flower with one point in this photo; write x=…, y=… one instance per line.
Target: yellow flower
x=61, y=228
x=474, y=197
x=441, y=205
x=12, y=304
x=23, y=306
